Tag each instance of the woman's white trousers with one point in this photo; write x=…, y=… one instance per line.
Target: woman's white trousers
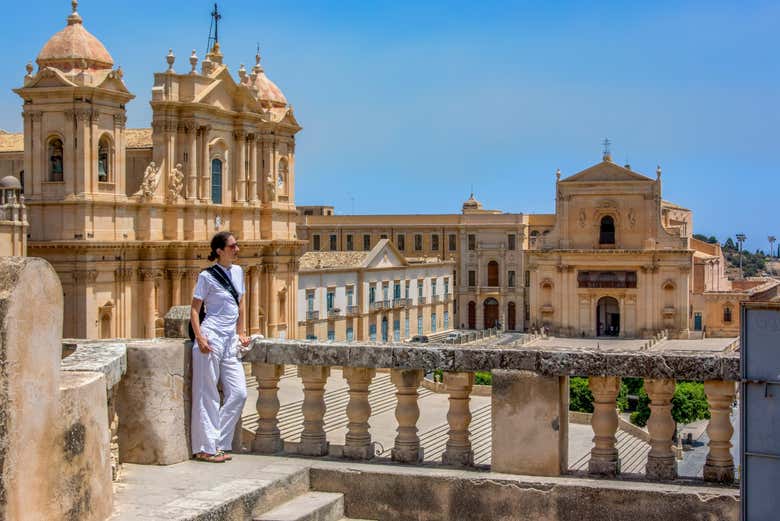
x=212, y=425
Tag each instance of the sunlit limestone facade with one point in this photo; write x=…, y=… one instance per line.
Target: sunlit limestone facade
x=125, y=215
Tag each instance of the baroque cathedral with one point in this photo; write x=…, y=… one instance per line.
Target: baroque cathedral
x=125, y=215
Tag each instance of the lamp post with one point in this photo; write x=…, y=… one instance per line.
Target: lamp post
x=741, y=237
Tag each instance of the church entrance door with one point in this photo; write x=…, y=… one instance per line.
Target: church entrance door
x=607, y=317
x=490, y=309
x=510, y=317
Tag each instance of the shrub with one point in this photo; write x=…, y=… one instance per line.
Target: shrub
x=580, y=397
x=483, y=378
x=689, y=404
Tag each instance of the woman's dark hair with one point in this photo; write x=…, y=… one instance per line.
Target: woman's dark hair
x=218, y=242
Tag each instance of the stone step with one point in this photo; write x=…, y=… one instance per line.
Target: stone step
x=311, y=506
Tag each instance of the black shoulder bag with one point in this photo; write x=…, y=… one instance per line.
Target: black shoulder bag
x=225, y=283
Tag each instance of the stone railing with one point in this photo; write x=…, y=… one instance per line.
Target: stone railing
x=529, y=402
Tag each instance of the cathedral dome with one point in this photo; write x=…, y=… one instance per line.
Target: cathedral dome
x=266, y=90
x=74, y=48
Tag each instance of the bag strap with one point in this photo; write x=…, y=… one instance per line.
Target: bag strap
x=218, y=274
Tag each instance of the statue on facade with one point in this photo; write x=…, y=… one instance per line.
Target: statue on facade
x=632, y=218
x=150, y=182
x=175, y=183
x=582, y=219
x=271, y=185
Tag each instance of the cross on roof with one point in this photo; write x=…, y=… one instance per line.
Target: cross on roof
x=217, y=17
x=606, y=143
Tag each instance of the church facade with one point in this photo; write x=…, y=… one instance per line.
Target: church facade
x=125, y=215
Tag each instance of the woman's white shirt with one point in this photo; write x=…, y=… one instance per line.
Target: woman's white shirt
x=221, y=308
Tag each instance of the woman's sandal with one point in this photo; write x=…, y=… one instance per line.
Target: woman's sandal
x=225, y=455
x=210, y=458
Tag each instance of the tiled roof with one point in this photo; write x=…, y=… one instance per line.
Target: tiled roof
x=138, y=137
x=317, y=260
x=11, y=142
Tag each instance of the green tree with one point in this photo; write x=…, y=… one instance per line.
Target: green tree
x=581, y=399
x=729, y=244
x=689, y=404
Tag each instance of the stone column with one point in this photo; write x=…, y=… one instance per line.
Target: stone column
x=661, y=464
x=205, y=169
x=313, y=439
x=604, y=459
x=239, y=185
x=530, y=423
x=252, y=174
x=254, y=299
x=267, y=438
x=458, y=451
x=176, y=276
x=357, y=444
x=719, y=466
x=150, y=309
x=192, y=161
x=407, y=412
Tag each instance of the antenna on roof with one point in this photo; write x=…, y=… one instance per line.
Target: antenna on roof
x=216, y=16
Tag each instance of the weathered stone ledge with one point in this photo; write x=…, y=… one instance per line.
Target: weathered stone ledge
x=682, y=365
x=108, y=358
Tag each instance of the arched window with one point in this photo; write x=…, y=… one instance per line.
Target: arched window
x=104, y=160
x=607, y=231
x=281, y=180
x=492, y=273
x=55, y=160
x=216, y=181
x=727, y=314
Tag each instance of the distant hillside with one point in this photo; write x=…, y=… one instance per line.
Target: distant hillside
x=753, y=264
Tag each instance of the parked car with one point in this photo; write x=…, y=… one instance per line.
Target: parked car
x=420, y=339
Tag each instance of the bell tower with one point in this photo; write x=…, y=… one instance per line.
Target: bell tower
x=74, y=142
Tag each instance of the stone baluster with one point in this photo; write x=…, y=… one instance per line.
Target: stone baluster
x=313, y=439
x=407, y=412
x=604, y=454
x=661, y=464
x=267, y=438
x=458, y=451
x=357, y=444
x=719, y=466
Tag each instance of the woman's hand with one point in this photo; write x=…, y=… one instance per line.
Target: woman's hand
x=203, y=344
x=244, y=340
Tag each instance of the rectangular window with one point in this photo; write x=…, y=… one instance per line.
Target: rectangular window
x=385, y=291
x=366, y=242
x=331, y=335
x=331, y=298
x=452, y=242
x=472, y=278
x=316, y=243
x=420, y=289
x=435, y=242
x=397, y=289
x=406, y=289
x=527, y=279
x=350, y=334
x=472, y=242
x=511, y=279
x=510, y=241
x=333, y=242
x=310, y=301
x=371, y=294
x=372, y=332
x=350, y=296
x=396, y=330
x=419, y=325
x=433, y=322
x=418, y=242
x=446, y=286
x=433, y=287
x=350, y=243
x=400, y=242
x=406, y=326
x=446, y=320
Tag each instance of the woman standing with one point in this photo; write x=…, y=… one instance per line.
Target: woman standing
x=214, y=352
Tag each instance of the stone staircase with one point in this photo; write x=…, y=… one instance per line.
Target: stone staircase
x=311, y=506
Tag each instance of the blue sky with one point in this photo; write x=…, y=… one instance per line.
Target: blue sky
x=407, y=105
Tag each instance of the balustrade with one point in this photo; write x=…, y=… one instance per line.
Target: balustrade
x=530, y=402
